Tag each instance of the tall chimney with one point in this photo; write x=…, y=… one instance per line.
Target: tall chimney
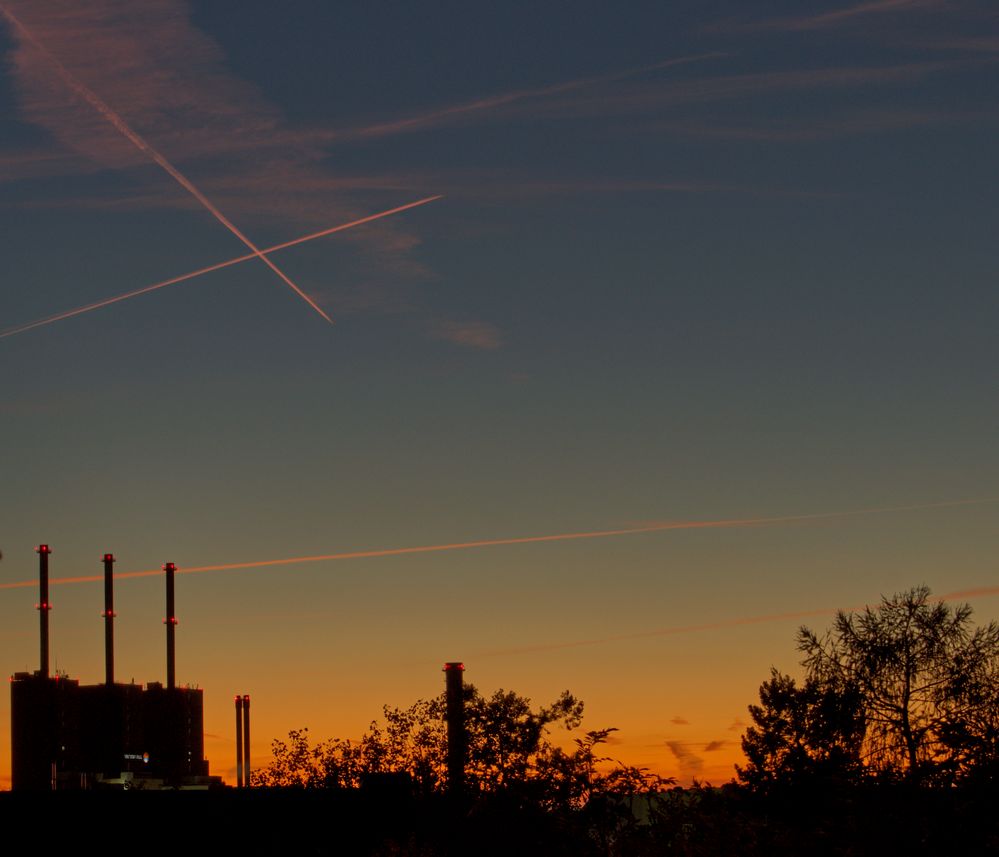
x=108, y=615
x=455, y=714
x=239, y=741
x=43, y=607
x=246, y=740
x=171, y=625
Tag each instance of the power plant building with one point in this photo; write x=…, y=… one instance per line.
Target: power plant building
x=65, y=735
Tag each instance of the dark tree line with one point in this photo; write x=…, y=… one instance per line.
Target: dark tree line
x=509, y=751
x=887, y=743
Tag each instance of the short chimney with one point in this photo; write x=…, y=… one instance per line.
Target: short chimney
x=246, y=741
x=239, y=741
x=455, y=715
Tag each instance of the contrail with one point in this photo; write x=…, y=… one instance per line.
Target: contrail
x=415, y=123
x=658, y=632
x=716, y=626
x=519, y=540
x=216, y=267
x=123, y=128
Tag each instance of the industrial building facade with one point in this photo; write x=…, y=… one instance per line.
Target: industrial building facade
x=65, y=735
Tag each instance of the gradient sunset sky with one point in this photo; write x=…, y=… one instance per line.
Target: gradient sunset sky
x=719, y=263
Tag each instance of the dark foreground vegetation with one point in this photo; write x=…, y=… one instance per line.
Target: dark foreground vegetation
x=888, y=743
x=864, y=819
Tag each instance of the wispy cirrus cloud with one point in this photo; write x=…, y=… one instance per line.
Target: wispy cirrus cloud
x=649, y=99
x=955, y=42
x=253, y=162
x=148, y=63
x=470, y=334
x=647, y=96
x=170, y=83
x=820, y=127
x=26, y=164
x=845, y=14
x=836, y=16
x=484, y=185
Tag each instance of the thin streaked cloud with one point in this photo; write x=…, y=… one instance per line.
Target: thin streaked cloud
x=836, y=15
x=171, y=83
x=846, y=14
x=821, y=127
x=448, y=114
x=470, y=334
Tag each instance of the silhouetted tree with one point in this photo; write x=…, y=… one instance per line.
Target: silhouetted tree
x=801, y=733
x=510, y=752
x=927, y=678
x=297, y=763
x=908, y=689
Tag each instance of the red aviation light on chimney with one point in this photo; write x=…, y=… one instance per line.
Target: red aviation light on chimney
x=454, y=665
x=43, y=549
x=108, y=557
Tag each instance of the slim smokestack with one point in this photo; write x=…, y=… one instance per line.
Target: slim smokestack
x=239, y=741
x=171, y=625
x=455, y=714
x=43, y=608
x=246, y=741
x=108, y=615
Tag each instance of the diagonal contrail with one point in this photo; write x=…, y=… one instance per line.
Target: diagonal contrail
x=518, y=540
x=95, y=101
x=216, y=267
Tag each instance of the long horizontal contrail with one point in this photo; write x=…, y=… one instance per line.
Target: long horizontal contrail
x=11, y=331
x=120, y=125
x=519, y=540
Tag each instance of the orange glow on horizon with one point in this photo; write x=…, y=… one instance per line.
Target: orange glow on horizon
x=216, y=267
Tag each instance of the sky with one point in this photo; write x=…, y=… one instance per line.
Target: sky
x=690, y=263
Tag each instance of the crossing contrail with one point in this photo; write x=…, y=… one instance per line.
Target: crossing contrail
x=518, y=540
x=95, y=101
x=208, y=269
